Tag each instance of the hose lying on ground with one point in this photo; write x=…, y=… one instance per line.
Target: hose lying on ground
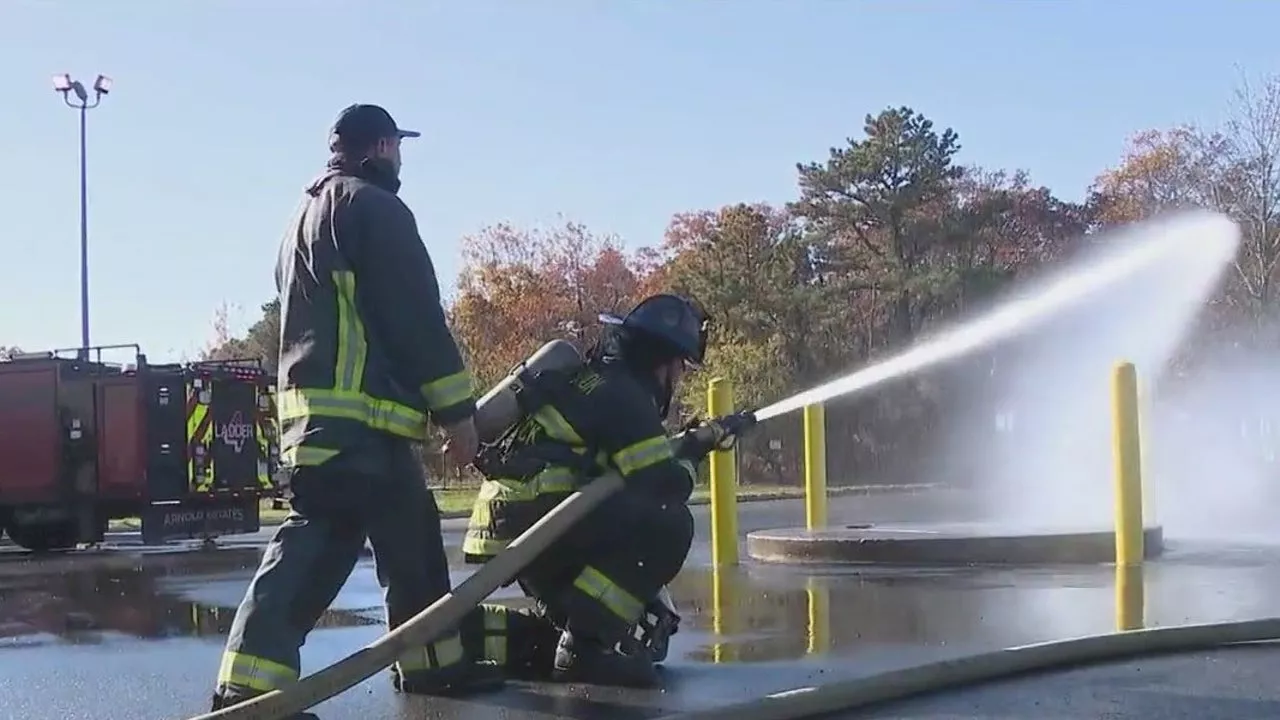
x=443, y=616
x=859, y=693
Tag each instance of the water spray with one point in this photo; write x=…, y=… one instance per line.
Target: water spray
x=1211, y=234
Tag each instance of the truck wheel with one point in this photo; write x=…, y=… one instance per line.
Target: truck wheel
x=44, y=537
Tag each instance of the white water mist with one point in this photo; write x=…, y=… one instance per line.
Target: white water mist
x=1052, y=458
x=1214, y=447
x=1132, y=299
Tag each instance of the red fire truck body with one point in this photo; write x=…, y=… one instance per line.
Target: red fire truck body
x=189, y=449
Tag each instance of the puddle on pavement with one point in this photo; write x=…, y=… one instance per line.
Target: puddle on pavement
x=771, y=613
x=85, y=600
x=750, y=614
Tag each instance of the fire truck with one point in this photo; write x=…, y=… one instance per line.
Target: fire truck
x=190, y=449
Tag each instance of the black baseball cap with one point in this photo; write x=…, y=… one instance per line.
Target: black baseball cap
x=363, y=125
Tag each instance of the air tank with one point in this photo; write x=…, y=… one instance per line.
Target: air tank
x=498, y=409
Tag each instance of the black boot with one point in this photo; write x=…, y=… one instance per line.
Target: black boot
x=455, y=681
x=221, y=702
x=531, y=647
x=585, y=660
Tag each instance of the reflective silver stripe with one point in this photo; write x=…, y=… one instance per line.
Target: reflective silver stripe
x=306, y=456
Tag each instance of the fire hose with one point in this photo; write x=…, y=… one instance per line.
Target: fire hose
x=441, y=618
x=859, y=693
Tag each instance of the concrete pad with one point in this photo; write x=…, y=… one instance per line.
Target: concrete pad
x=942, y=544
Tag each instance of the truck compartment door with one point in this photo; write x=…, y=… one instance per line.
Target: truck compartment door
x=234, y=455
x=30, y=435
x=166, y=457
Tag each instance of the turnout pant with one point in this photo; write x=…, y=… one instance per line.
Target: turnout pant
x=597, y=578
x=378, y=493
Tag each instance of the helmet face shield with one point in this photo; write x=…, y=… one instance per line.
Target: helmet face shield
x=704, y=328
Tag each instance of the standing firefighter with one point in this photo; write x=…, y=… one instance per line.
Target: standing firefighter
x=365, y=359
x=578, y=421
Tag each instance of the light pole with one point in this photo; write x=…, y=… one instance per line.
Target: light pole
x=101, y=86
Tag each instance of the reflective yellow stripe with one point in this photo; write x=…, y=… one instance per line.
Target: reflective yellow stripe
x=346, y=400
x=262, y=437
x=306, y=456
x=597, y=585
x=641, y=455
x=507, y=490
x=436, y=655
x=448, y=390
x=556, y=426
x=551, y=480
x=352, y=347
x=392, y=417
x=247, y=672
x=495, y=635
x=482, y=546
x=199, y=437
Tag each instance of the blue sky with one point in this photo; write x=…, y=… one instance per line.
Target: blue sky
x=614, y=113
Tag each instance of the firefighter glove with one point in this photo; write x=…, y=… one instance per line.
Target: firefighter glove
x=717, y=434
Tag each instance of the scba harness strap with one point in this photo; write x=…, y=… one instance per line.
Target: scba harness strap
x=507, y=457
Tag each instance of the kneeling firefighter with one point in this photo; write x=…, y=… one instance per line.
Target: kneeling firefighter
x=555, y=424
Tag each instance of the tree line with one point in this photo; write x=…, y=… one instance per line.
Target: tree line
x=887, y=237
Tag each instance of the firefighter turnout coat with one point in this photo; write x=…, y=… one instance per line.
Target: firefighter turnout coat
x=597, y=418
x=364, y=343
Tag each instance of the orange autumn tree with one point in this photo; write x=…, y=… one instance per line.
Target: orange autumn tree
x=1162, y=170
x=520, y=288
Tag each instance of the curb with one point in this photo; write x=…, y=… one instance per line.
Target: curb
x=939, y=544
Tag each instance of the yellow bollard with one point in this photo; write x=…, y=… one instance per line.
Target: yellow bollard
x=1130, y=598
x=723, y=607
x=815, y=467
x=724, y=482
x=1127, y=448
x=819, y=596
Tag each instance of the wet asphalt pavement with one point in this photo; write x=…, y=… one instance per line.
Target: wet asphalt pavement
x=117, y=634
x=1230, y=684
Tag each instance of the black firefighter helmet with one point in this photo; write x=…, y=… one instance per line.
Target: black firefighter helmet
x=677, y=324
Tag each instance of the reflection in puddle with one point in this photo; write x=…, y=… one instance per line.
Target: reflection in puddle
x=87, y=602
x=741, y=616
x=760, y=614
